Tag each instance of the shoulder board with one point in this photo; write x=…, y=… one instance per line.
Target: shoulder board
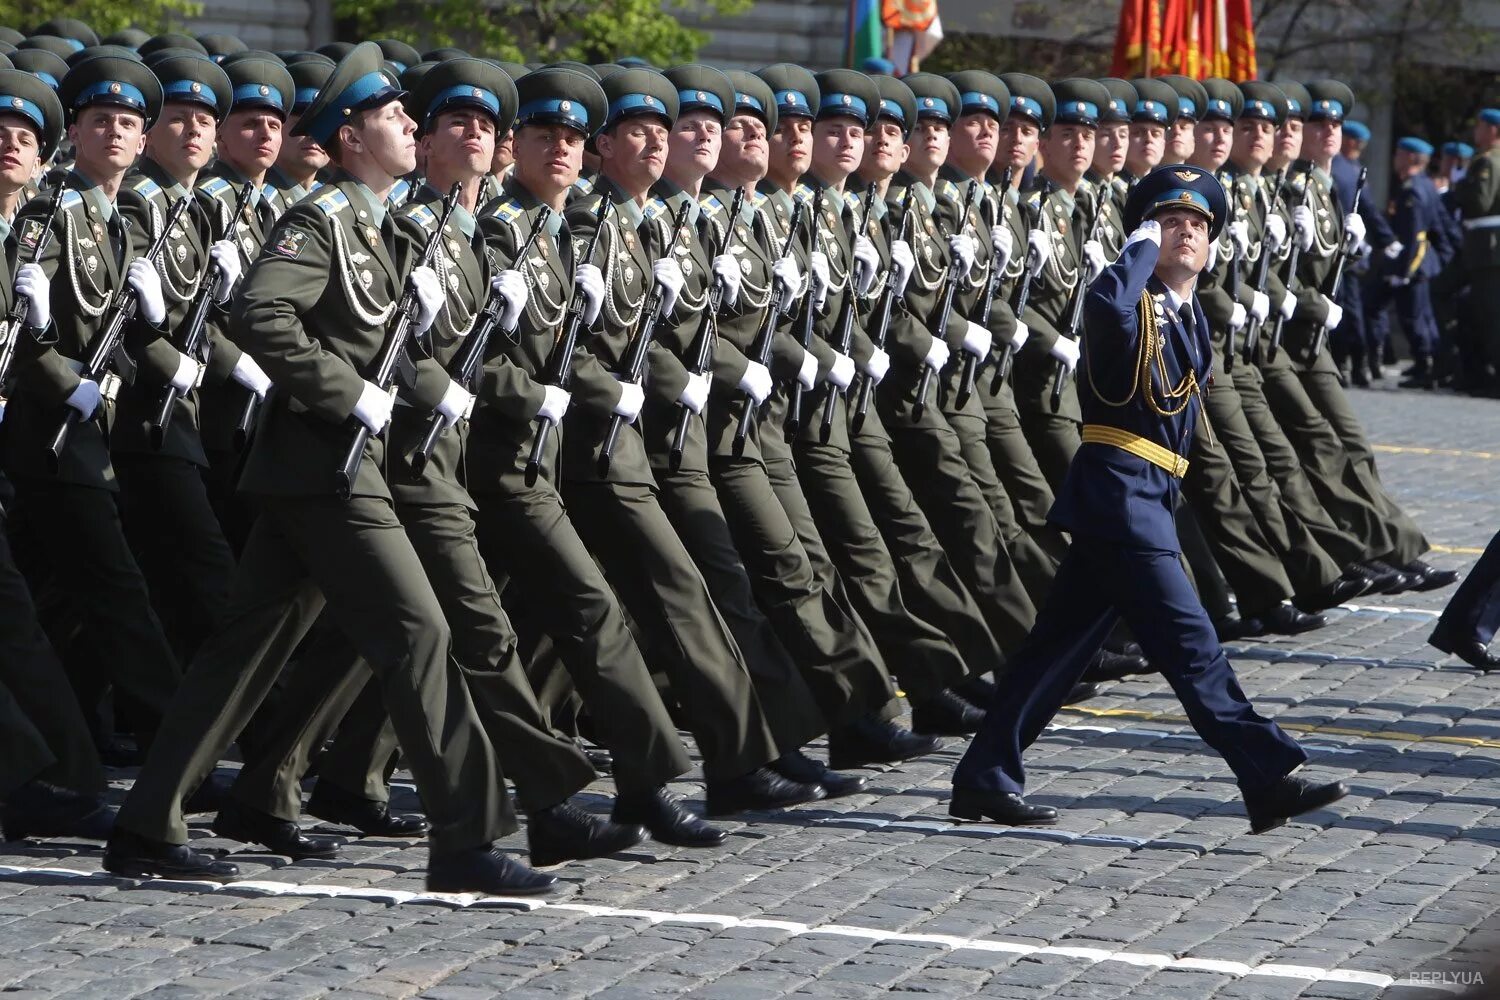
x=655, y=209
x=757, y=199
x=851, y=201
x=1033, y=199
x=72, y=199
x=583, y=185
x=145, y=187
x=948, y=191
x=216, y=186
x=588, y=202
x=711, y=204
x=331, y=202
x=398, y=194
x=421, y=214
x=510, y=210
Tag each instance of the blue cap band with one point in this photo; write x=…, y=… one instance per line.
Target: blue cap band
x=305, y=96
x=891, y=109
x=749, y=101
x=688, y=100
x=574, y=113
x=844, y=104
x=368, y=87
x=1293, y=106
x=1490, y=116
x=401, y=67
x=116, y=91
x=1077, y=112
x=1259, y=109
x=1151, y=111
x=189, y=90
x=628, y=104
x=1412, y=144
x=1179, y=198
x=252, y=94
x=1186, y=108
x=464, y=96
x=973, y=100
x=793, y=102
x=46, y=78
x=934, y=107
x=1026, y=106
x=1117, y=107
x=1357, y=130
x=1220, y=108
x=26, y=109
x=1326, y=109
x=1460, y=149
x=76, y=44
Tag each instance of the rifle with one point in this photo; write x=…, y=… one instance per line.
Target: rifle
x=945, y=306
x=845, y=323
x=466, y=364
x=703, y=356
x=1233, y=284
x=762, y=346
x=1336, y=280
x=882, y=315
x=208, y=292
x=986, y=304
x=635, y=354
x=1262, y=274
x=1023, y=290
x=560, y=361
x=15, y=322
x=109, y=347
x=393, y=361
x=1291, y=277
x=1075, y=316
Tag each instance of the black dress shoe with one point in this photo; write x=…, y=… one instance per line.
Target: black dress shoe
x=1233, y=627
x=798, y=766
x=1473, y=652
x=41, y=809
x=946, y=714
x=1125, y=647
x=668, y=821
x=1427, y=577
x=565, y=832
x=1002, y=807
x=875, y=741
x=1287, y=620
x=210, y=796
x=1291, y=796
x=1107, y=666
x=251, y=826
x=761, y=789
x=1336, y=593
x=977, y=690
x=134, y=856
x=1392, y=580
x=487, y=872
x=1081, y=692
x=600, y=760
x=332, y=804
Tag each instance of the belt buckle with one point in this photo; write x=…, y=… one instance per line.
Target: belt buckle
x=109, y=387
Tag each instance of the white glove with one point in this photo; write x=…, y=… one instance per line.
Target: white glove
x=424, y=281
x=85, y=398
x=1239, y=234
x=226, y=257
x=1288, y=306
x=1065, y=349
x=1354, y=232
x=878, y=364
x=1094, y=259
x=695, y=394
x=632, y=398
x=1304, y=224
x=866, y=265
x=1393, y=249
x=1213, y=256
x=1023, y=334
x=186, y=375
x=937, y=355
x=903, y=262
x=668, y=274
x=1147, y=232
x=961, y=245
x=1335, y=313
x=374, y=407
x=33, y=286
x=146, y=283
x=978, y=340
x=1004, y=245
x=788, y=280
x=510, y=285
x=756, y=382
x=817, y=263
x=842, y=372
x=1274, y=234
x=1397, y=280
x=249, y=374
x=1238, y=317
x=589, y=280
x=808, y=373
x=554, y=403
x=727, y=270
x=1038, y=251
x=1260, y=306
x=457, y=403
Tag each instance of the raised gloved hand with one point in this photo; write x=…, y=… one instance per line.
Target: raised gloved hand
x=1066, y=350
x=866, y=265
x=877, y=365
x=694, y=395
x=33, y=286
x=1038, y=251
x=1354, y=232
x=374, y=407
x=457, y=404
x=937, y=355
x=1304, y=223
x=903, y=262
x=1274, y=235
x=1239, y=235
x=842, y=372
x=668, y=275
x=84, y=398
x=817, y=263
x=588, y=281
x=250, y=375
x=142, y=278
x=1238, y=317
x=632, y=398
x=510, y=285
x=226, y=257
x=1213, y=255
x=788, y=277
x=185, y=378
x=1094, y=260
x=1019, y=338
x=807, y=374
x=1260, y=306
x=1335, y=313
x=756, y=382
x=727, y=270
x=961, y=245
x=429, y=296
x=1004, y=245
x=554, y=403
x=978, y=340
x=1147, y=232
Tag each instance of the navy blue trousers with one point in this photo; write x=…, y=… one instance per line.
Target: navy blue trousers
x=1098, y=583
x=1474, y=610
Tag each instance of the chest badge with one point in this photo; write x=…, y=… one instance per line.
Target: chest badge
x=371, y=236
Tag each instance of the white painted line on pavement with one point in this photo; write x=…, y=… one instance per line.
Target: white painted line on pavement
x=398, y=897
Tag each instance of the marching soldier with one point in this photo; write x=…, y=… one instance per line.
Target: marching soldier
x=1155, y=110
x=1414, y=214
x=299, y=162
x=1111, y=149
x=1192, y=100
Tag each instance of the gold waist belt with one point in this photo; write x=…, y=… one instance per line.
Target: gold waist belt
x=1152, y=452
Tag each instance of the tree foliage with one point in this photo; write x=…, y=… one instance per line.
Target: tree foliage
x=104, y=16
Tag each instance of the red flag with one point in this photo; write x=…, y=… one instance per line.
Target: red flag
x=1131, y=45
x=1241, y=29
x=1174, y=38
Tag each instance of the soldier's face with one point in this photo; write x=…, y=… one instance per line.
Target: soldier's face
x=838, y=145
x=1409, y=163
x=1148, y=144
x=1068, y=151
x=1254, y=139
x=791, y=147
x=107, y=139
x=1322, y=139
x=1184, y=244
x=885, y=150
x=929, y=146
x=695, y=144
x=1212, y=141
x=633, y=154
x=1289, y=140
x=744, y=157
x=548, y=158
x=1111, y=144
x=462, y=142
x=182, y=140
x=1485, y=134
x=505, y=153
x=299, y=155
x=975, y=141
x=386, y=136
x=1019, y=140
x=251, y=140
x=1181, y=142
x=20, y=152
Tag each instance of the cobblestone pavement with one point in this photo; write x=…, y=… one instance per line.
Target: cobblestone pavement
x=1151, y=885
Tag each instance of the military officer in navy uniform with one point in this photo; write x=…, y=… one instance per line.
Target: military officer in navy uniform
x=1146, y=361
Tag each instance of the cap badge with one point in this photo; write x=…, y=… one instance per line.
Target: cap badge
x=16, y=102
x=114, y=88
x=926, y=102
x=648, y=100
x=565, y=107
x=702, y=96
x=265, y=91
x=476, y=92
x=1184, y=175
x=197, y=88
x=848, y=99
x=1185, y=196
x=1081, y=106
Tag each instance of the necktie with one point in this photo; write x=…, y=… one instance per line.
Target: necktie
x=1185, y=314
